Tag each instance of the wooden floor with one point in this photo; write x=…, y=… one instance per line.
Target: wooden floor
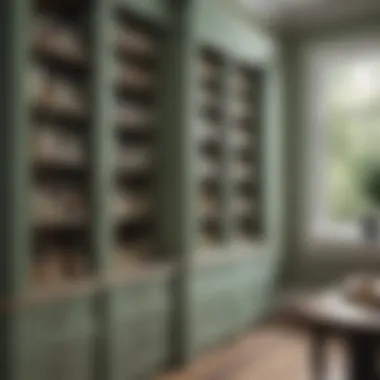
x=273, y=353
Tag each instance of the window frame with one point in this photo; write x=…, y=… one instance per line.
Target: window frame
x=317, y=59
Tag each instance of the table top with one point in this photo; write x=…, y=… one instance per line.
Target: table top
x=332, y=310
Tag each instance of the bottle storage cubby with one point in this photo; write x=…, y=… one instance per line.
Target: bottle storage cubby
x=211, y=147
x=137, y=46
x=59, y=122
x=246, y=143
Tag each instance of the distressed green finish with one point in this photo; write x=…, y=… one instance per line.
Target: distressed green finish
x=130, y=330
x=227, y=297
x=184, y=225
x=140, y=334
x=102, y=134
x=14, y=171
x=17, y=148
x=226, y=301
x=76, y=338
x=55, y=340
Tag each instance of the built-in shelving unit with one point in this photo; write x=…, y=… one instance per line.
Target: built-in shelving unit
x=137, y=89
x=59, y=126
x=211, y=148
x=129, y=182
x=246, y=142
x=229, y=142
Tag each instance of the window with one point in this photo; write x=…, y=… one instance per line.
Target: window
x=343, y=112
x=352, y=135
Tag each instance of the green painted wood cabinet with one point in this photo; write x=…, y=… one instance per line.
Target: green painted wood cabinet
x=131, y=327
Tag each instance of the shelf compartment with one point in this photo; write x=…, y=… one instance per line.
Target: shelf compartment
x=55, y=263
x=137, y=45
x=132, y=77
x=132, y=206
x=57, y=94
x=246, y=140
x=60, y=115
x=54, y=145
x=136, y=160
x=210, y=213
x=141, y=251
x=131, y=41
x=52, y=37
x=57, y=204
x=134, y=116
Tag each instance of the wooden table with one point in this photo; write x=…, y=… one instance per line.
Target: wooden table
x=331, y=314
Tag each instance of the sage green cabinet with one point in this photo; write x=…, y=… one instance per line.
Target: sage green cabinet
x=55, y=340
x=227, y=296
x=131, y=327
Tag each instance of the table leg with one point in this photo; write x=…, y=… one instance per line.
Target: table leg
x=317, y=355
x=362, y=358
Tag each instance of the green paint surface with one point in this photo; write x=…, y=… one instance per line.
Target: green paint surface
x=128, y=331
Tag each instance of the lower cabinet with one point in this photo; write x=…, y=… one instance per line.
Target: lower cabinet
x=54, y=341
x=131, y=337
x=225, y=302
x=71, y=359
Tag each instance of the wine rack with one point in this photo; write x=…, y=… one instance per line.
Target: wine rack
x=137, y=46
x=246, y=142
x=59, y=121
x=211, y=148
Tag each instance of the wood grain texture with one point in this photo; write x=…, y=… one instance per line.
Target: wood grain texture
x=273, y=353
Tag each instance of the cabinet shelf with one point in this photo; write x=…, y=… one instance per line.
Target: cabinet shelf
x=75, y=121
x=60, y=112
x=147, y=131
x=50, y=172
x=55, y=163
x=131, y=231
x=142, y=95
x=144, y=60
x=132, y=171
x=54, y=60
x=52, y=226
x=131, y=221
x=131, y=41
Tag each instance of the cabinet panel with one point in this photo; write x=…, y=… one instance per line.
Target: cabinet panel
x=56, y=321
x=62, y=360
x=140, y=344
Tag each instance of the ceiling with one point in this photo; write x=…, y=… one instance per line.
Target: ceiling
x=297, y=14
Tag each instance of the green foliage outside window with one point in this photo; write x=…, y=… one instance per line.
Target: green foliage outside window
x=353, y=140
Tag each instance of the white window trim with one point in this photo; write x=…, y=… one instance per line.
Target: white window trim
x=317, y=59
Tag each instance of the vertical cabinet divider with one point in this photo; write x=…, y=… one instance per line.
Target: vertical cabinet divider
x=102, y=136
x=229, y=154
x=15, y=280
